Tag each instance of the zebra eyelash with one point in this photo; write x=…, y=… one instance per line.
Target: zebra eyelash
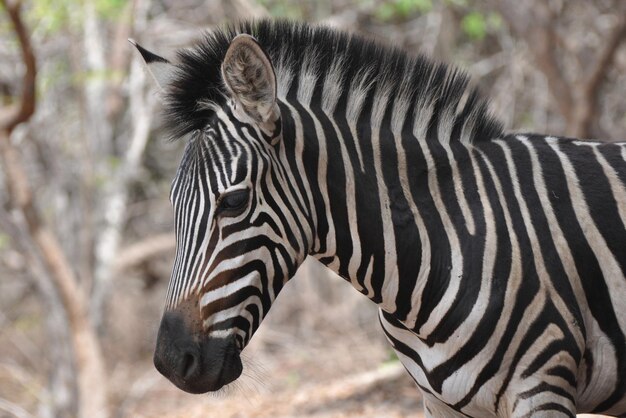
x=220, y=210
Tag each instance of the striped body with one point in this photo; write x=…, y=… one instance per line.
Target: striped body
x=532, y=315
x=498, y=261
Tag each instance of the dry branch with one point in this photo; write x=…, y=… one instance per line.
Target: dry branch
x=92, y=387
x=577, y=102
x=140, y=252
x=590, y=91
x=117, y=191
x=12, y=117
x=13, y=409
x=538, y=31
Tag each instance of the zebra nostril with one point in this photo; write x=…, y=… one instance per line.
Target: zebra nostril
x=189, y=365
x=239, y=343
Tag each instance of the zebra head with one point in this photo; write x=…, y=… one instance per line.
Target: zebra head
x=239, y=234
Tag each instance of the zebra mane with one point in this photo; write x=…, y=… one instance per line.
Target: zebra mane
x=343, y=68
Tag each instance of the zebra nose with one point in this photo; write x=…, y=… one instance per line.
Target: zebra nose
x=194, y=363
x=177, y=355
x=189, y=364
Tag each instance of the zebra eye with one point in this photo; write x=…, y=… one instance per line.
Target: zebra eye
x=233, y=201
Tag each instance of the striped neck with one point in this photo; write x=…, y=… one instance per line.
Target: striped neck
x=373, y=188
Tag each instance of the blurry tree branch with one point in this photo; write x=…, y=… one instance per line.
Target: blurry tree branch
x=542, y=40
x=244, y=9
x=120, y=56
x=86, y=347
x=95, y=86
x=590, y=90
x=140, y=252
x=13, y=409
x=61, y=401
x=116, y=193
x=15, y=115
x=577, y=102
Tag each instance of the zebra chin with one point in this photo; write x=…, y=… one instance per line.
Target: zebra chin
x=193, y=362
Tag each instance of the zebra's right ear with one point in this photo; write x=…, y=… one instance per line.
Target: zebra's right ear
x=250, y=79
x=160, y=68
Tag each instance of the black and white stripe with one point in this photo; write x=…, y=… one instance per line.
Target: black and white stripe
x=498, y=261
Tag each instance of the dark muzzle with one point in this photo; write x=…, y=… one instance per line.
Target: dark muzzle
x=195, y=363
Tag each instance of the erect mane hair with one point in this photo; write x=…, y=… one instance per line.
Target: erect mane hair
x=319, y=55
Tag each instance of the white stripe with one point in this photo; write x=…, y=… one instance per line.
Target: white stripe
x=360, y=87
x=350, y=187
x=613, y=276
x=540, y=263
x=456, y=255
x=389, y=290
x=250, y=279
x=400, y=107
x=617, y=188
x=455, y=383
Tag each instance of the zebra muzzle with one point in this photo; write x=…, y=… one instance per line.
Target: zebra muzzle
x=193, y=362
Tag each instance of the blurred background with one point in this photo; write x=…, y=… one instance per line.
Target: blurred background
x=86, y=231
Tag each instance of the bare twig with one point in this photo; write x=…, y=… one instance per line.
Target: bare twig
x=58, y=358
x=244, y=9
x=14, y=409
x=116, y=194
x=137, y=391
x=577, y=102
x=590, y=91
x=139, y=252
x=120, y=57
x=12, y=117
x=85, y=344
x=539, y=33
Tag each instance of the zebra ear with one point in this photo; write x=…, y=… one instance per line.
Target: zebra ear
x=160, y=68
x=250, y=79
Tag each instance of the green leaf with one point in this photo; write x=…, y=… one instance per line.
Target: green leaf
x=5, y=240
x=114, y=162
x=457, y=3
x=474, y=25
x=49, y=15
x=385, y=12
x=394, y=9
x=284, y=8
x=423, y=6
x=110, y=8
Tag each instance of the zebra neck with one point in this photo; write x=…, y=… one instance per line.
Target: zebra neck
x=376, y=197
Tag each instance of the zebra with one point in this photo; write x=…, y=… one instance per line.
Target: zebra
x=497, y=260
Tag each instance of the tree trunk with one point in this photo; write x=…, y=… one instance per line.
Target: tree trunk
x=91, y=377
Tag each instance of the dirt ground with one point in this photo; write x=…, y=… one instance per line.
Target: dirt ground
x=386, y=393
x=319, y=353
